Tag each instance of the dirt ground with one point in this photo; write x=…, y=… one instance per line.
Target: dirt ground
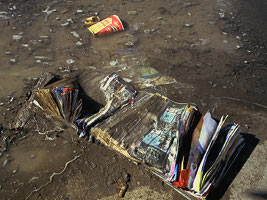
x=215, y=50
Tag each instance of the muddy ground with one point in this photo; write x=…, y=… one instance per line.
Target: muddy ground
x=215, y=50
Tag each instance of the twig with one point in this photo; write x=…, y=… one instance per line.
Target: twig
x=51, y=177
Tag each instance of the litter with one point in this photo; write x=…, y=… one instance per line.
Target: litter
x=92, y=20
x=75, y=34
x=106, y=26
x=190, y=152
x=17, y=37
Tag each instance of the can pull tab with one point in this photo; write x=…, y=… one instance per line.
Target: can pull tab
x=92, y=20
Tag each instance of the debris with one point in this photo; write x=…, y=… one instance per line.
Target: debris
x=113, y=63
x=181, y=146
x=106, y=26
x=70, y=61
x=91, y=20
x=123, y=187
x=68, y=102
x=48, y=12
x=221, y=14
x=132, y=12
x=5, y=162
x=42, y=58
x=79, y=11
x=65, y=24
x=17, y=37
x=75, y=34
x=147, y=31
x=12, y=60
x=70, y=20
x=188, y=25
x=79, y=43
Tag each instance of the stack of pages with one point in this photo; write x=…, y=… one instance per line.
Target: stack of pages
x=190, y=151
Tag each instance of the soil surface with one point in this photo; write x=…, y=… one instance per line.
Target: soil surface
x=215, y=50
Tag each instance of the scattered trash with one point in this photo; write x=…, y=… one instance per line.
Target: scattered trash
x=70, y=61
x=42, y=58
x=188, y=25
x=92, y=20
x=68, y=102
x=48, y=12
x=75, y=34
x=12, y=60
x=106, y=26
x=70, y=20
x=123, y=187
x=17, y=37
x=79, y=11
x=132, y=12
x=222, y=15
x=189, y=151
x=65, y=24
x=5, y=162
x=114, y=63
x=149, y=72
x=79, y=43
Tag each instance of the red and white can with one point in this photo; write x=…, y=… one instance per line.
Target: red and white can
x=106, y=26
